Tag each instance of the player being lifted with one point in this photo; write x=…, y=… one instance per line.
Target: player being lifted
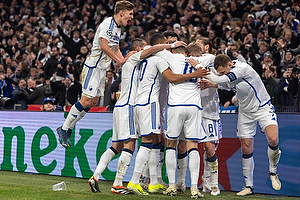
x=105, y=49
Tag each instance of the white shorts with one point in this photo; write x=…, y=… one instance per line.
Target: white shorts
x=246, y=125
x=93, y=81
x=123, y=124
x=212, y=130
x=183, y=118
x=147, y=119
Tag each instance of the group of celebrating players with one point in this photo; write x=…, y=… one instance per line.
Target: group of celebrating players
x=171, y=88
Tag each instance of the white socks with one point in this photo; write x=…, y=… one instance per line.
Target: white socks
x=248, y=167
x=123, y=165
x=171, y=165
x=141, y=158
x=194, y=166
x=153, y=164
x=182, y=162
x=75, y=114
x=274, y=156
x=103, y=162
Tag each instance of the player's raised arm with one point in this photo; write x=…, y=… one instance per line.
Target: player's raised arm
x=159, y=47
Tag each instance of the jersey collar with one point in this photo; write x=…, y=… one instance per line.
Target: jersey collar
x=119, y=26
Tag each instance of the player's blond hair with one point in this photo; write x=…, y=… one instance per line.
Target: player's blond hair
x=193, y=49
x=123, y=5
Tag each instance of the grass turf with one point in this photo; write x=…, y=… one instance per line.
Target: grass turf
x=25, y=186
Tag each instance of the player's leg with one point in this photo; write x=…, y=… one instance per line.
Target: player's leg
x=182, y=162
x=266, y=117
x=213, y=167
x=141, y=158
x=89, y=99
x=194, y=166
x=248, y=166
x=123, y=164
x=102, y=164
x=153, y=162
x=171, y=166
x=273, y=154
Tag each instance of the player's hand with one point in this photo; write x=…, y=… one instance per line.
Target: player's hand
x=179, y=43
x=193, y=62
x=204, y=84
x=201, y=72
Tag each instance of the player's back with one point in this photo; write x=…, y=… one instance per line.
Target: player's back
x=149, y=80
x=129, y=78
x=187, y=92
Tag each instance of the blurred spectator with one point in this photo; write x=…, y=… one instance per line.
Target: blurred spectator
x=72, y=44
x=270, y=81
x=294, y=85
x=38, y=94
x=288, y=60
x=69, y=91
x=48, y=105
x=5, y=85
x=22, y=70
x=33, y=74
x=110, y=78
x=19, y=94
x=285, y=99
x=56, y=64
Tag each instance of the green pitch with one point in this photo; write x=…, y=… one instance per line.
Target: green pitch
x=17, y=185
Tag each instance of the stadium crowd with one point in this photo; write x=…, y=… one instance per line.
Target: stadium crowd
x=44, y=43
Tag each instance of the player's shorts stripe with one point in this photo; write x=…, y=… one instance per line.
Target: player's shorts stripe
x=231, y=76
x=131, y=122
x=88, y=77
x=166, y=118
x=153, y=115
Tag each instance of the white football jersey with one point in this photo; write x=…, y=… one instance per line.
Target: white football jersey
x=149, y=80
x=109, y=30
x=185, y=93
x=130, y=72
x=250, y=90
x=209, y=96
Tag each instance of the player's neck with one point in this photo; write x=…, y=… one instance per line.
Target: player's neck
x=118, y=20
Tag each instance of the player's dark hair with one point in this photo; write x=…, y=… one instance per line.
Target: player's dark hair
x=123, y=5
x=180, y=49
x=221, y=60
x=136, y=42
x=170, y=33
x=157, y=38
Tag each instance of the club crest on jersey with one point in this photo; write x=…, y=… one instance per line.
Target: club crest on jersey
x=109, y=33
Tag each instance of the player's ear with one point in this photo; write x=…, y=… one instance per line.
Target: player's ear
x=121, y=13
x=230, y=64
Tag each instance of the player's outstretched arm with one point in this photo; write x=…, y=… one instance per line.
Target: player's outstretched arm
x=159, y=47
x=178, y=78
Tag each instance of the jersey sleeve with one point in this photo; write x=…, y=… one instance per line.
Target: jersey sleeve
x=135, y=58
x=237, y=72
x=219, y=80
x=105, y=31
x=162, y=65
